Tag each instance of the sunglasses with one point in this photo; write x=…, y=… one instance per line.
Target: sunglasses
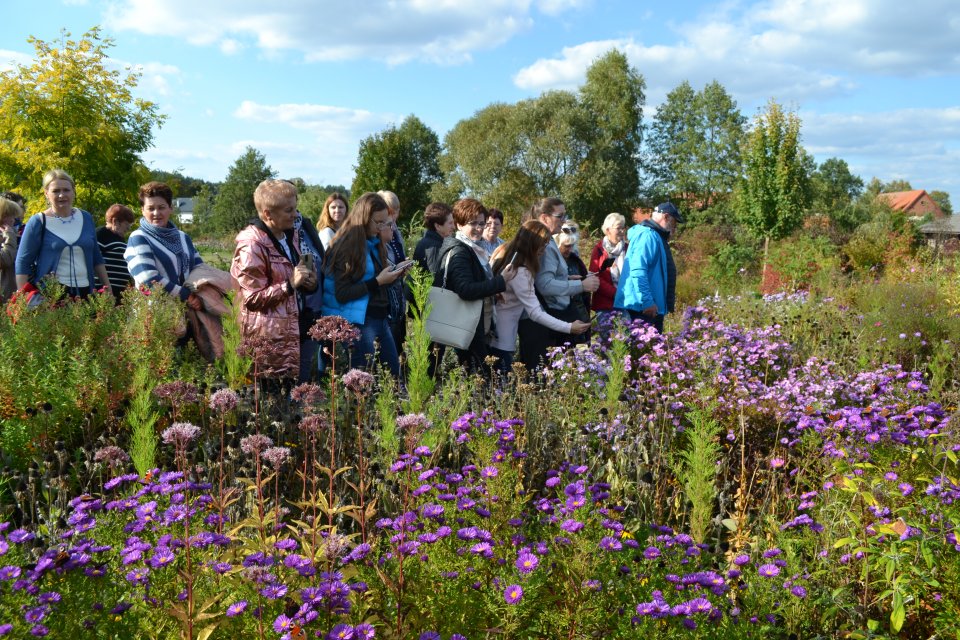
x=569, y=229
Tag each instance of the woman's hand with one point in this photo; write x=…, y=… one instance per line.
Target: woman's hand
x=303, y=278
x=388, y=275
x=578, y=326
x=509, y=273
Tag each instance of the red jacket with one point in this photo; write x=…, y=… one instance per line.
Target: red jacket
x=603, y=298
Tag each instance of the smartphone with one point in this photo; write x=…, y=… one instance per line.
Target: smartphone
x=306, y=259
x=514, y=258
x=606, y=264
x=401, y=266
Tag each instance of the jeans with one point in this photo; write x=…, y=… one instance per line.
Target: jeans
x=361, y=353
x=311, y=362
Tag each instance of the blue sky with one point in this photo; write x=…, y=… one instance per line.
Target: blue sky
x=876, y=82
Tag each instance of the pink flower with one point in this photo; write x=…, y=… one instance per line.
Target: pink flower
x=334, y=329
x=357, y=381
x=224, y=400
x=776, y=463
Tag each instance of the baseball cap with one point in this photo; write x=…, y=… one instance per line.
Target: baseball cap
x=669, y=209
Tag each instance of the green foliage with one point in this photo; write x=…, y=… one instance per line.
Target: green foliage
x=886, y=239
x=233, y=205
x=834, y=187
x=697, y=469
x=235, y=366
x=417, y=348
x=581, y=147
x=774, y=192
x=693, y=151
x=942, y=198
x=799, y=259
x=69, y=110
x=182, y=186
x=402, y=159
x=142, y=419
x=728, y=266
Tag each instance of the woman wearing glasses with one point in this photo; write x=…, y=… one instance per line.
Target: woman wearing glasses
x=356, y=277
x=465, y=270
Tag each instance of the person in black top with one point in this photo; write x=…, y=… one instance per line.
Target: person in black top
x=112, y=240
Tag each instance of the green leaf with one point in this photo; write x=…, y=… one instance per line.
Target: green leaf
x=842, y=542
x=898, y=614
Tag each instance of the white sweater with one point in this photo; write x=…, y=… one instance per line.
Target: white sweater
x=520, y=297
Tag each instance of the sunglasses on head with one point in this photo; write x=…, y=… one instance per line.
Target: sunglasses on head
x=569, y=229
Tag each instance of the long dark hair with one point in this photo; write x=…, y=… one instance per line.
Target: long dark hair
x=348, y=249
x=530, y=240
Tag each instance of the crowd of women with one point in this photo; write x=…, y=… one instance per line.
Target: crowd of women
x=535, y=291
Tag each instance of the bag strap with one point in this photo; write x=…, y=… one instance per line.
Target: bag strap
x=446, y=266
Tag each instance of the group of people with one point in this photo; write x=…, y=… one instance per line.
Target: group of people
x=535, y=290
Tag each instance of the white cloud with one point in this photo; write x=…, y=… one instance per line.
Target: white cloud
x=792, y=49
x=919, y=145
x=10, y=59
x=335, y=135
x=394, y=31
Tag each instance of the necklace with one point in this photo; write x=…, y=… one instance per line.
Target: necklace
x=65, y=219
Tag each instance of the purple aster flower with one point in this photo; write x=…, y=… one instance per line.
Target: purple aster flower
x=287, y=544
x=741, y=560
x=772, y=553
x=162, y=556
x=19, y=536
x=651, y=553
x=10, y=572
x=905, y=488
x=39, y=631
x=365, y=631
x=776, y=463
x=5, y=629
x=526, y=562
x=609, y=543
x=769, y=570
x=489, y=472
x=48, y=597
x=430, y=635
x=571, y=526
x=341, y=632
x=274, y=591
x=180, y=434
x=282, y=624
x=798, y=591
x=236, y=608
x=512, y=594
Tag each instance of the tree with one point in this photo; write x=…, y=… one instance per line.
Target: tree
x=942, y=198
x=896, y=185
x=405, y=160
x=833, y=187
x=775, y=188
x=233, y=205
x=67, y=110
x=607, y=178
x=693, y=150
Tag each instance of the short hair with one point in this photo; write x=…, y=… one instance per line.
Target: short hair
x=545, y=206
x=612, y=220
x=15, y=197
x=155, y=189
x=269, y=193
x=57, y=174
x=466, y=209
x=436, y=213
x=495, y=213
x=9, y=209
x=563, y=239
x=393, y=202
x=119, y=213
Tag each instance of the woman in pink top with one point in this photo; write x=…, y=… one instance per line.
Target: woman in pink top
x=524, y=252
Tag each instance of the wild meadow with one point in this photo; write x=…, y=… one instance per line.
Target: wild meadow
x=772, y=466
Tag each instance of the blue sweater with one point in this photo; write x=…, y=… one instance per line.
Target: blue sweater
x=149, y=263
x=46, y=255
x=347, y=305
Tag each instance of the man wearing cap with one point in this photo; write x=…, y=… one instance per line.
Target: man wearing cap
x=648, y=281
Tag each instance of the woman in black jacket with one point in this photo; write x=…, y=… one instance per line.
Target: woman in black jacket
x=468, y=274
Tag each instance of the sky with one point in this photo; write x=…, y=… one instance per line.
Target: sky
x=875, y=82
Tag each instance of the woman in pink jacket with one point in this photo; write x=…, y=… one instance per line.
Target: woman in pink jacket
x=266, y=265
x=524, y=252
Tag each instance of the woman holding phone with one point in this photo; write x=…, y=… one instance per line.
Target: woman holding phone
x=523, y=252
x=606, y=260
x=356, y=277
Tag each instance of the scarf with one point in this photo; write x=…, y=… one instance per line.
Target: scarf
x=306, y=246
x=169, y=238
x=482, y=254
x=395, y=246
x=614, y=251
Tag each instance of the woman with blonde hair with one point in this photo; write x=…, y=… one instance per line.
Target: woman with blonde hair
x=524, y=252
x=61, y=241
x=332, y=216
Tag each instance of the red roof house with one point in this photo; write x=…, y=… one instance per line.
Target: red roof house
x=913, y=203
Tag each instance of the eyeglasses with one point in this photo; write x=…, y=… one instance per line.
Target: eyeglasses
x=384, y=223
x=476, y=223
x=560, y=216
x=569, y=229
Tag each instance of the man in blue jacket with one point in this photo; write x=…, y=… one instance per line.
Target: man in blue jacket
x=648, y=282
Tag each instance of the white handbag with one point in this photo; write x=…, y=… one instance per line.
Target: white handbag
x=452, y=321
